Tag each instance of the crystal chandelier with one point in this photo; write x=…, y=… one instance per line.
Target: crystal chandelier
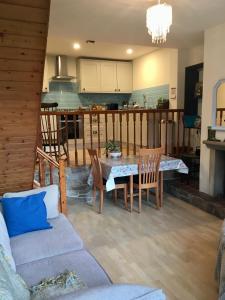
x=158, y=21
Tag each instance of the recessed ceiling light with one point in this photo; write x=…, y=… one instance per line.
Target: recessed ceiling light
x=129, y=51
x=76, y=46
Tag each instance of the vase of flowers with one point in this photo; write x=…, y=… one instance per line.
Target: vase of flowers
x=113, y=149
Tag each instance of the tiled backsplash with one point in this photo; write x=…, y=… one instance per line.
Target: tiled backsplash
x=67, y=96
x=151, y=95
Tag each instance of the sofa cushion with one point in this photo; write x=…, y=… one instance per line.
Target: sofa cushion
x=51, y=198
x=5, y=242
x=82, y=262
x=118, y=292
x=36, y=245
x=25, y=214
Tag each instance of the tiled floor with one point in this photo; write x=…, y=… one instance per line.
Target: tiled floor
x=174, y=248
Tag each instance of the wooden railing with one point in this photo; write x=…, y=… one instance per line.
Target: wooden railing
x=133, y=129
x=47, y=163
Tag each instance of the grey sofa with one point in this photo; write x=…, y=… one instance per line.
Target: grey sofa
x=45, y=253
x=220, y=264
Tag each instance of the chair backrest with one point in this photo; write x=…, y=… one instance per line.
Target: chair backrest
x=96, y=168
x=50, y=129
x=149, y=162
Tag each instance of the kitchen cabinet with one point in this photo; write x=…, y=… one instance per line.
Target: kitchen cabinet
x=104, y=76
x=124, y=71
x=108, y=77
x=90, y=76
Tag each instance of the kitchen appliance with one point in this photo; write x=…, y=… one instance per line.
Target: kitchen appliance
x=73, y=131
x=112, y=106
x=61, y=72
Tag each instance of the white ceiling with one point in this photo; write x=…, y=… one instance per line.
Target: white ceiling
x=116, y=22
x=104, y=50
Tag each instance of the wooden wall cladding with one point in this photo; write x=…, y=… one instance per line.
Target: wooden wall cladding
x=23, y=36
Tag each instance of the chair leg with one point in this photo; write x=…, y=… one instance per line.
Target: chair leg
x=115, y=195
x=157, y=198
x=101, y=201
x=139, y=202
x=125, y=196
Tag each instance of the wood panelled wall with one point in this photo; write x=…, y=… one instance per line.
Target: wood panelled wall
x=23, y=35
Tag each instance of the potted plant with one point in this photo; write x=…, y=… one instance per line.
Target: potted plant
x=113, y=149
x=163, y=103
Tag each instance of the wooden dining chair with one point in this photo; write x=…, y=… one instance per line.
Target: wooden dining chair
x=148, y=173
x=99, y=182
x=54, y=136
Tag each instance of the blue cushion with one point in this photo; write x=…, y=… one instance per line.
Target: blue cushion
x=25, y=214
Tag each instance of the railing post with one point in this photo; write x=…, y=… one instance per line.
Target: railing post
x=62, y=187
x=41, y=172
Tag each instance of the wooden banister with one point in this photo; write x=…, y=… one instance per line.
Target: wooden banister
x=131, y=128
x=43, y=160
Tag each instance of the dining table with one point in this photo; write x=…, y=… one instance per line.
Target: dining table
x=128, y=166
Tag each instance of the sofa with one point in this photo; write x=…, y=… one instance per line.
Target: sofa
x=46, y=253
x=220, y=264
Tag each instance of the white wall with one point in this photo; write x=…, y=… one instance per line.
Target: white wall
x=156, y=68
x=214, y=69
x=186, y=58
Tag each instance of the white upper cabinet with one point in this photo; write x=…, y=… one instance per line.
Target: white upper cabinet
x=124, y=77
x=102, y=76
x=90, y=76
x=108, y=77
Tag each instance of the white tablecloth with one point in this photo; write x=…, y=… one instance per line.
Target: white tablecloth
x=126, y=166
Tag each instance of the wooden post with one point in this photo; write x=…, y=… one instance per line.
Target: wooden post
x=62, y=187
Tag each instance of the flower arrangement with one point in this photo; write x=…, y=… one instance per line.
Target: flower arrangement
x=113, y=148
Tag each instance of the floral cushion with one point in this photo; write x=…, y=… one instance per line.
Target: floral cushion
x=12, y=285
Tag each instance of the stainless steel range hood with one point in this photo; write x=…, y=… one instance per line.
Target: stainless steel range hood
x=61, y=72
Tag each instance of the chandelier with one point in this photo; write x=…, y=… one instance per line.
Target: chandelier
x=158, y=21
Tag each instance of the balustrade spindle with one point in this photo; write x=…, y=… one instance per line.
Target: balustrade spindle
x=141, y=122
x=84, y=150
x=75, y=120
x=154, y=130
x=166, y=134
x=134, y=122
x=51, y=168
x=121, y=132
x=160, y=129
x=148, y=129
x=113, y=122
x=99, y=140
x=67, y=140
x=42, y=170
x=106, y=128
x=127, y=118
x=91, y=137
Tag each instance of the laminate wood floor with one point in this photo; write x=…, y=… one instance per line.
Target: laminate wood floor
x=173, y=249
